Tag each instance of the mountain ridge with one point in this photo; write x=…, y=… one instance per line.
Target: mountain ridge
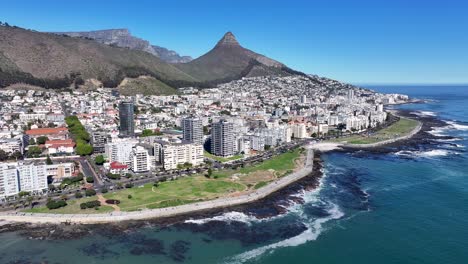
x=122, y=37
x=52, y=60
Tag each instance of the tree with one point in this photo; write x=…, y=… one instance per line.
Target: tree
x=3, y=155
x=78, y=195
x=99, y=160
x=32, y=141
x=90, y=192
x=89, y=179
x=49, y=161
x=30, y=199
x=51, y=204
x=147, y=133
x=225, y=112
x=16, y=155
x=210, y=172
x=129, y=196
x=42, y=140
x=34, y=151
x=83, y=148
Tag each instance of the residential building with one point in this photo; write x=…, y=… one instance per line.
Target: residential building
x=193, y=130
x=99, y=140
x=222, y=139
x=172, y=154
x=120, y=151
x=140, y=158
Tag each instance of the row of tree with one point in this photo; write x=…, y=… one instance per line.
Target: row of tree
x=80, y=135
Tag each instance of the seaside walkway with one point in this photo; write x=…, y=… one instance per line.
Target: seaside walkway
x=164, y=212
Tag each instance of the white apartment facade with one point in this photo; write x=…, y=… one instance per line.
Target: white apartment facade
x=170, y=155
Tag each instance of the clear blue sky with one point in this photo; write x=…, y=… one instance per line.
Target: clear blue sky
x=411, y=41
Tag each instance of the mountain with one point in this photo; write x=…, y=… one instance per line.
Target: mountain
x=228, y=60
x=52, y=60
x=123, y=38
x=57, y=61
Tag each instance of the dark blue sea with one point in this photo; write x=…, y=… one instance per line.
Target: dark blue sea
x=407, y=206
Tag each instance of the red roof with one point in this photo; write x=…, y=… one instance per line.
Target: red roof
x=60, y=143
x=117, y=165
x=46, y=131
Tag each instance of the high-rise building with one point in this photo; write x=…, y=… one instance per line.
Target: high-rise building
x=127, y=123
x=120, y=151
x=303, y=99
x=18, y=177
x=350, y=95
x=193, y=130
x=140, y=158
x=222, y=139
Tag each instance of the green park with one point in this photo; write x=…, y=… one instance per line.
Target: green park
x=188, y=189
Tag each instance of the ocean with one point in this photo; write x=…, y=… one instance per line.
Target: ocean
x=408, y=206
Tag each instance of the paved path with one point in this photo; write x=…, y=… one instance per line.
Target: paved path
x=164, y=212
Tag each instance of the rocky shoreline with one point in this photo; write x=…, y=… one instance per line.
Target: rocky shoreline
x=272, y=205
x=422, y=137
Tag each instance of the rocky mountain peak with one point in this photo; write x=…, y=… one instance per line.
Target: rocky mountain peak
x=228, y=40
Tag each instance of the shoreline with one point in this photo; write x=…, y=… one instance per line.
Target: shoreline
x=50, y=218
x=271, y=205
x=261, y=198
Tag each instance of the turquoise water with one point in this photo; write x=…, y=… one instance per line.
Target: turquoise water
x=409, y=206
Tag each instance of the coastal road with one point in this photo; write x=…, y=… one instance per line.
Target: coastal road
x=165, y=212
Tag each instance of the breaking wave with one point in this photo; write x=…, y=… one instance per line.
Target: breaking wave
x=226, y=217
x=424, y=113
x=457, y=126
x=314, y=229
x=426, y=154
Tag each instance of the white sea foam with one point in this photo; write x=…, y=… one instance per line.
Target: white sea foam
x=424, y=113
x=426, y=154
x=314, y=229
x=439, y=131
x=457, y=126
x=226, y=217
x=449, y=139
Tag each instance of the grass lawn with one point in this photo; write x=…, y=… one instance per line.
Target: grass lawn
x=181, y=191
x=73, y=207
x=398, y=129
x=222, y=159
x=280, y=164
x=190, y=189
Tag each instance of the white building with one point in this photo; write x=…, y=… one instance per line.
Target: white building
x=222, y=139
x=140, y=159
x=170, y=155
x=18, y=177
x=298, y=130
x=9, y=184
x=120, y=151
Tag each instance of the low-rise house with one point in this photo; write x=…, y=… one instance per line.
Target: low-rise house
x=65, y=146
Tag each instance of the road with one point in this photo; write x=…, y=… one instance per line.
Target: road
x=164, y=212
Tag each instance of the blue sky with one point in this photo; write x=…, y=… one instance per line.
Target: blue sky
x=396, y=41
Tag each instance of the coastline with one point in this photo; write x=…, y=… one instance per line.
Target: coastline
x=271, y=205
x=262, y=203
x=163, y=212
